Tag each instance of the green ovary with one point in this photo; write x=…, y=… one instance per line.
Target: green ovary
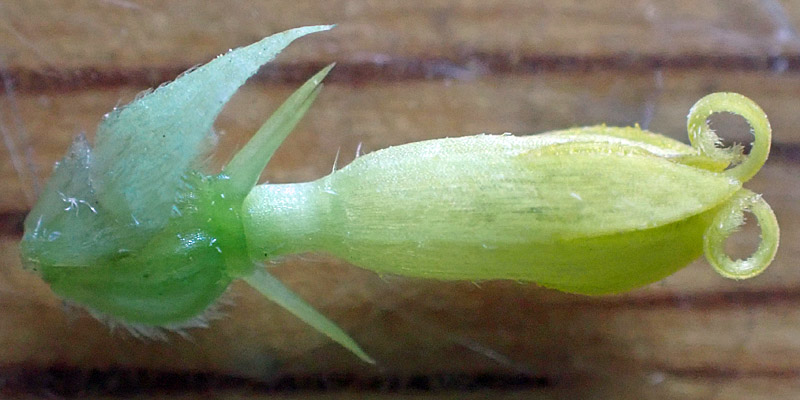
x=177, y=275
x=171, y=281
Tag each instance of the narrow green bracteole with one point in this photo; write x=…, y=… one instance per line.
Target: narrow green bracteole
x=133, y=231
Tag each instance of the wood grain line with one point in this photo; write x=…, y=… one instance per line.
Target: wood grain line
x=724, y=374
x=11, y=224
x=466, y=66
x=69, y=382
x=733, y=299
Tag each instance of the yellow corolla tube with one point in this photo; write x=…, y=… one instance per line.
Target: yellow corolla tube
x=134, y=229
x=590, y=210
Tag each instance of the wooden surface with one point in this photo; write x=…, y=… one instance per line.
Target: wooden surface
x=409, y=71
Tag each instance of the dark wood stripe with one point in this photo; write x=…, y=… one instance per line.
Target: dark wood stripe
x=11, y=224
x=725, y=374
x=70, y=382
x=75, y=382
x=401, y=69
x=785, y=152
x=734, y=299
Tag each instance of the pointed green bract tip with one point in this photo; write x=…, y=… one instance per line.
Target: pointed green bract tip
x=274, y=290
x=246, y=166
x=143, y=149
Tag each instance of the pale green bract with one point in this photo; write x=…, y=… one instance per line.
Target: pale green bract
x=131, y=230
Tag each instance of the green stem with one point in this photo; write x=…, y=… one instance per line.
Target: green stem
x=283, y=219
